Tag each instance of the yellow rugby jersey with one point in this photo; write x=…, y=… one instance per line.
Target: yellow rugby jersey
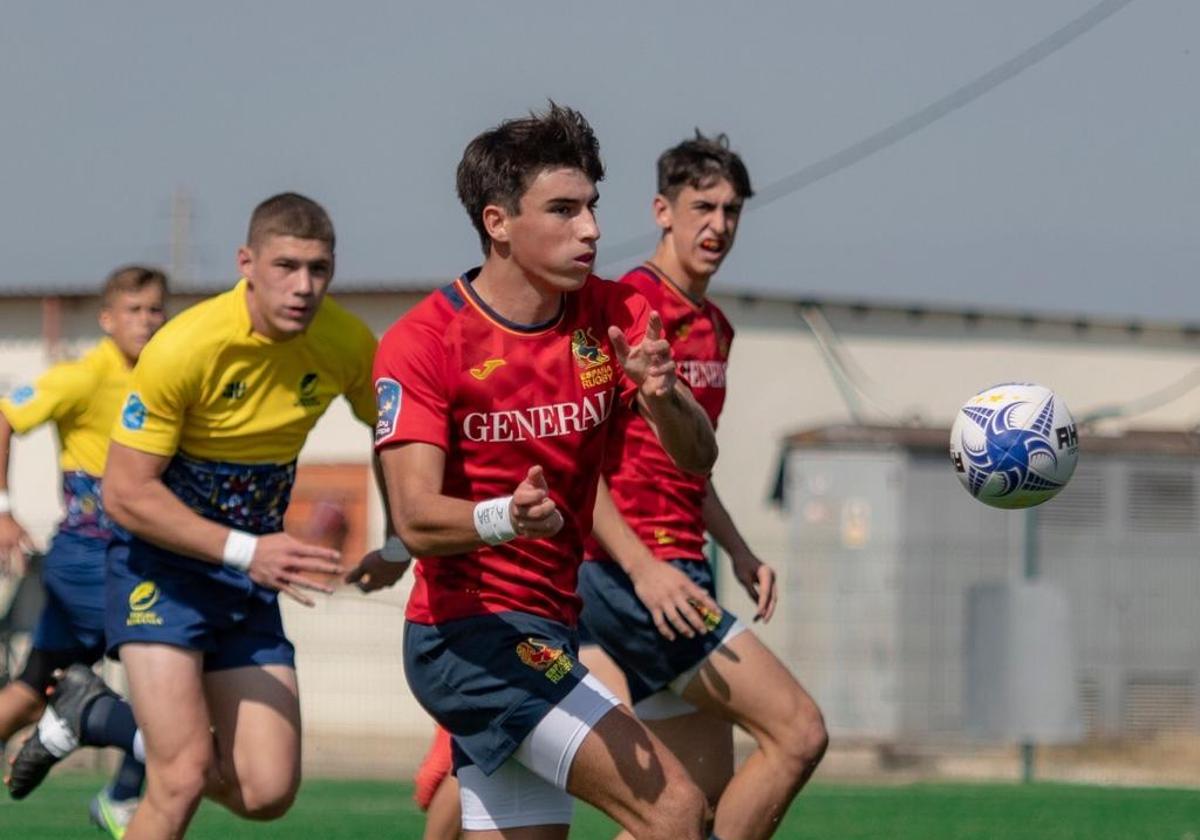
x=209, y=387
x=83, y=399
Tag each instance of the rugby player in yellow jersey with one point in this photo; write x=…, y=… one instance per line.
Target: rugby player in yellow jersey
x=81, y=398
x=199, y=474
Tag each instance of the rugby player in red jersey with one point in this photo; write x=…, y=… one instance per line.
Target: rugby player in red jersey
x=649, y=595
x=494, y=395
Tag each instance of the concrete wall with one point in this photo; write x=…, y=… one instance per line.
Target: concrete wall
x=915, y=366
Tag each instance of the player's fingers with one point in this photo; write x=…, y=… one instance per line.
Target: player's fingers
x=660, y=622
x=305, y=564
x=297, y=596
x=772, y=599
x=701, y=599
x=537, y=477
x=316, y=551
x=302, y=582
x=620, y=344
x=654, y=327
x=683, y=618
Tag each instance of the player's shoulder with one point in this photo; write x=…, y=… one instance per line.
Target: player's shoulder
x=199, y=327
x=428, y=321
x=613, y=293
x=645, y=281
x=337, y=325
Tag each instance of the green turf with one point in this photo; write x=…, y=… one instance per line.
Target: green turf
x=348, y=809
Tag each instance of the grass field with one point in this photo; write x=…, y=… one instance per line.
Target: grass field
x=349, y=809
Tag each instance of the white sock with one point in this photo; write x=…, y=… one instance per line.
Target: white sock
x=139, y=747
x=54, y=734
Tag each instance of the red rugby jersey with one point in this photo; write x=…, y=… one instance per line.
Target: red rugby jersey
x=499, y=398
x=659, y=501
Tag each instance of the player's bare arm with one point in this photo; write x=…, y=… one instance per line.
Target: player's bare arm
x=680, y=423
x=15, y=543
x=669, y=595
x=431, y=523
x=384, y=566
x=755, y=576
x=137, y=500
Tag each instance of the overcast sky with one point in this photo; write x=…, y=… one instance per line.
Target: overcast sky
x=1072, y=187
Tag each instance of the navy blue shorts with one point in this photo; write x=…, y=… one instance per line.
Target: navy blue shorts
x=616, y=618
x=490, y=679
x=156, y=596
x=73, y=618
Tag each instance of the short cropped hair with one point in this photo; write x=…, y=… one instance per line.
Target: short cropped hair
x=699, y=163
x=498, y=166
x=131, y=278
x=290, y=214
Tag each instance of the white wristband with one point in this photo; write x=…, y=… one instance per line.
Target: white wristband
x=5, y=502
x=395, y=551
x=239, y=550
x=492, y=522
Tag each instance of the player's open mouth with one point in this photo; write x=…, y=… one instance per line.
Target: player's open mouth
x=586, y=259
x=712, y=246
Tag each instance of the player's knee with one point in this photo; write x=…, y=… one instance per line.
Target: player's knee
x=679, y=812
x=804, y=740
x=267, y=799
x=181, y=781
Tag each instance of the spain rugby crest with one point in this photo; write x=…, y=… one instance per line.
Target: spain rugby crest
x=541, y=657
x=595, y=365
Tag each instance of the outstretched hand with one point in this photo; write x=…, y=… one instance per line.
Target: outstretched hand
x=649, y=364
x=281, y=561
x=374, y=573
x=758, y=579
x=533, y=513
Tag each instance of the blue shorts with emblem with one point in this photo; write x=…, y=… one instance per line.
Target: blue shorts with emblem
x=490, y=679
x=159, y=597
x=616, y=618
x=73, y=575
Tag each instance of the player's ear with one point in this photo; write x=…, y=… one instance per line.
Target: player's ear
x=106, y=319
x=662, y=212
x=495, y=222
x=245, y=260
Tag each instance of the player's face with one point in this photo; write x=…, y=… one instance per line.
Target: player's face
x=553, y=238
x=286, y=281
x=130, y=318
x=702, y=224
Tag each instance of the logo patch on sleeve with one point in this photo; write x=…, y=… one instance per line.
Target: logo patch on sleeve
x=133, y=415
x=21, y=395
x=387, y=403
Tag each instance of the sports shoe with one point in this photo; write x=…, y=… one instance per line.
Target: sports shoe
x=111, y=815
x=60, y=730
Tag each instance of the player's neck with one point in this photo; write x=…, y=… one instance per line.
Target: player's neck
x=666, y=261
x=515, y=296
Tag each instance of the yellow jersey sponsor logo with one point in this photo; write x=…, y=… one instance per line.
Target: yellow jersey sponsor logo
x=485, y=370
x=141, y=599
x=541, y=657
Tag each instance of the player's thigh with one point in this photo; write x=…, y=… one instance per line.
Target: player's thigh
x=744, y=682
x=703, y=743
x=167, y=692
x=623, y=769
x=602, y=666
x=256, y=717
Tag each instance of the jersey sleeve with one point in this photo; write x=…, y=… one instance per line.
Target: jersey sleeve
x=165, y=384
x=360, y=386
x=61, y=391
x=411, y=391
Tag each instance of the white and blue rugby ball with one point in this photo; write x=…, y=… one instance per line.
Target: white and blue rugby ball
x=1014, y=445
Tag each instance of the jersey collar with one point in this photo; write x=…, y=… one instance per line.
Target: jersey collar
x=469, y=294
